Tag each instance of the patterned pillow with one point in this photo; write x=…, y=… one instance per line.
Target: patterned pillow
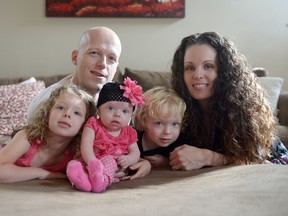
x=14, y=102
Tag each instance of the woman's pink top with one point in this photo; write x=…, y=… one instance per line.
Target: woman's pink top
x=26, y=159
x=106, y=144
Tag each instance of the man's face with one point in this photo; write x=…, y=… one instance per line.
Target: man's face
x=96, y=61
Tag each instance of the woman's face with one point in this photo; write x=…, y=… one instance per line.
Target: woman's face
x=200, y=71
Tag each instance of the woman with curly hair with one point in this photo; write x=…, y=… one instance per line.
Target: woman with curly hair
x=44, y=147
x=228, y=119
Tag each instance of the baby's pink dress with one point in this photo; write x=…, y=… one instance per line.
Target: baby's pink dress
x=26, y=159
x=106, y=144
x=99, y=174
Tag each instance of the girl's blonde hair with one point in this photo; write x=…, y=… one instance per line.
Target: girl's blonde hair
x=158, y=101
x=39, y=127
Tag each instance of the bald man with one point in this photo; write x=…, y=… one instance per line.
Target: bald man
x=96, y=61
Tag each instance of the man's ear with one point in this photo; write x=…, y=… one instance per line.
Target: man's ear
x=74, y=57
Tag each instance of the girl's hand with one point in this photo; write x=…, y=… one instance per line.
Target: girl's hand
x=190, y=158
x=158, y=161
x=53, y=175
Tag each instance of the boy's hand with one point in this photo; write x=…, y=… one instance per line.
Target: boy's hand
x=158, y=161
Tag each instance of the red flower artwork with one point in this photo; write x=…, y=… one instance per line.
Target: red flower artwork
x=116, y=8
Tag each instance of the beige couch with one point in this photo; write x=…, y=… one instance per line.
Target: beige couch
x=148, y=79
x=256, y=190
x=252, y=190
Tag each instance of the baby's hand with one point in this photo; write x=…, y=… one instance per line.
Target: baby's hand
x=122, y=161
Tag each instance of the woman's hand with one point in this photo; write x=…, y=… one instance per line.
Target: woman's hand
x=187, y=157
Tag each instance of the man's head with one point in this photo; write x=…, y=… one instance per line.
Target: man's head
x=96, y=59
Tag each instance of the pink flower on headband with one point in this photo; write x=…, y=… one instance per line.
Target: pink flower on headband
x=133, y=92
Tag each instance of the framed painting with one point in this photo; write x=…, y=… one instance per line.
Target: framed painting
x=116, y=8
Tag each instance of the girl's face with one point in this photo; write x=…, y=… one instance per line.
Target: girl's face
x=200, y=71
x=163, y=130
x=115, y=115
x=67, y=115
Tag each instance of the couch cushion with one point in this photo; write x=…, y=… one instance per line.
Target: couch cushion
x=273, y=86
x=260, y=72
x=149, y=79
x=118, y=77
x=14, y=101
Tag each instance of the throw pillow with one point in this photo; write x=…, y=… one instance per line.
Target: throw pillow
x=30, y=80
x=14, y=102
x=149, y=79
x=273, y=86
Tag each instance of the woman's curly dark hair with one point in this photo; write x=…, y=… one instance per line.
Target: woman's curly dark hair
x=238, y=107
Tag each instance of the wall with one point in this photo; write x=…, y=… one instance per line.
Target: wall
x=32, y=44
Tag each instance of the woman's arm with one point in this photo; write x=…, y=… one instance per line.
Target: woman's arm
x=187, y=157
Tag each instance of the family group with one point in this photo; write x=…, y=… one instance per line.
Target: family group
x=96, y=132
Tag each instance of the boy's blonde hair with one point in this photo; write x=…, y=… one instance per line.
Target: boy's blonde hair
x=158, y=101
x=39, y=126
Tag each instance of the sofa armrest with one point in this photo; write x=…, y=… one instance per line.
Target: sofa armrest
x=283, y=108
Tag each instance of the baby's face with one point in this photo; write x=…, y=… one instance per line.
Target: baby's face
x=115, y=115
x=163, y=130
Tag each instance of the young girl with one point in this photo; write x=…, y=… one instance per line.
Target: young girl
x=108, y=143
x=44, y=147
x=159, y=123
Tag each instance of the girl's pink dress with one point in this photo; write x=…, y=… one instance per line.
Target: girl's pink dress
x=26, y=159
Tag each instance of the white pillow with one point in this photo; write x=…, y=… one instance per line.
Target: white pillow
x=30, y=80
x=273, y=86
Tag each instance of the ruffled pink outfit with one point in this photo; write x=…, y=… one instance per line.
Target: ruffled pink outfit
x=99, y=174
x=106, y=144
x=26, y=159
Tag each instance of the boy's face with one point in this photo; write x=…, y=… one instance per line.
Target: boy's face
x=164, y=130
